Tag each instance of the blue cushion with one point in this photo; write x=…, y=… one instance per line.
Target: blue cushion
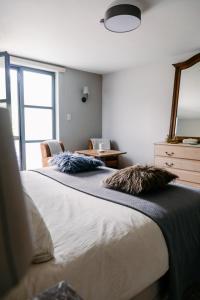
x=73, y=163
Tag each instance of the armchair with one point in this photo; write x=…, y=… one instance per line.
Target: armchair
x=46, y=151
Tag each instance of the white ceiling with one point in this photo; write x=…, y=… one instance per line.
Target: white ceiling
x=68, y=32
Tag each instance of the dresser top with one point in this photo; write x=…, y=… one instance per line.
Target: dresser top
x=178, y=145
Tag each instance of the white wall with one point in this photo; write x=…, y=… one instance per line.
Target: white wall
x=137, y=108
x=86, y=119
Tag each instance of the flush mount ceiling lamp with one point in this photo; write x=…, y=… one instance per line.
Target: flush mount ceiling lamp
x=122, y=16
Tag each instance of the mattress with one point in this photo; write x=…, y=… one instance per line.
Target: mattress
x=104, y=250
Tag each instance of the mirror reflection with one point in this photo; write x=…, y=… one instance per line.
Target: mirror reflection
x=188, y=113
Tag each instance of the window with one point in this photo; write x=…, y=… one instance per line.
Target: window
x=33, y=112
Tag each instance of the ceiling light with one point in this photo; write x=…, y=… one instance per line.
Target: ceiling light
x=122, y=16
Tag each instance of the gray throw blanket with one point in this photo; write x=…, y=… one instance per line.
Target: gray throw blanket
x=175, y=209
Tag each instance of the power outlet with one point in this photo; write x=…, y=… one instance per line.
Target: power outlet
x=69, y=117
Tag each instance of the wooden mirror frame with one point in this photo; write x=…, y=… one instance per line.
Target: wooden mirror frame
x=178, y=68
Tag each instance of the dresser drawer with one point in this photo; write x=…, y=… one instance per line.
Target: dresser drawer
x=177, y=163
x=188, y=152
x=188, y=176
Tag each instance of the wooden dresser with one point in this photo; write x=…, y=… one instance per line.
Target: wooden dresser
x=182, y=160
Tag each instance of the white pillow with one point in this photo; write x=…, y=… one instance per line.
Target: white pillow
x=42, y=241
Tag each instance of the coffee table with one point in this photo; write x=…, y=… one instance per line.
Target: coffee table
x=109, y=157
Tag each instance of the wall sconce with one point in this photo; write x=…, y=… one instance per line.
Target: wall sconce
x=85, y=94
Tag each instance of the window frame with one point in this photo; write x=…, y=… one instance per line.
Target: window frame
x=22, y=106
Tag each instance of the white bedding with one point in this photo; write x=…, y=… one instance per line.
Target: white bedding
x=104, y=250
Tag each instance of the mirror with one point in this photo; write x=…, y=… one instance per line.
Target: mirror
x=185, y=115
x=188, y=112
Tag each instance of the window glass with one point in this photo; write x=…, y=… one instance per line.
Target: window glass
x=14, y=102
x=3, y=104
x=37, y=89
x=17, y=150
x=2, y=78
x=33, y=156
x=38, y=124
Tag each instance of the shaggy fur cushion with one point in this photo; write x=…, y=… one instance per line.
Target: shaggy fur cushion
x=73, y=163
x=139, y=179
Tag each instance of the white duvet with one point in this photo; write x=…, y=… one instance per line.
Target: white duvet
x=104, y=250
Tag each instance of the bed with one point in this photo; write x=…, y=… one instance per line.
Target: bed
x=108, y=245
x=104, y=250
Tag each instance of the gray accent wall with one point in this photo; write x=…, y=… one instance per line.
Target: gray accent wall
x=136, y=109
x=86, y=118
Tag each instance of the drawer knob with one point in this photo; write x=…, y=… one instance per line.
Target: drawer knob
x=169, y=164
x=169, y=154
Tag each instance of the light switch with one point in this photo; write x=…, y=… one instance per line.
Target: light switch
x=69, y=117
